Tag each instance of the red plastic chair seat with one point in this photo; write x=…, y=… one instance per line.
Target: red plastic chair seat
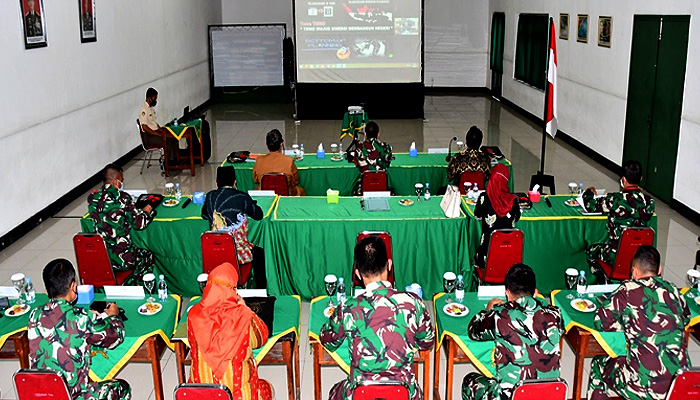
x=473, y=177
x=94, y=267
x=276, y=182
x=386, y=237
x=685, y=385
x=219, y=248
x=540, y=389
x=505, y=250
x=32, y=384
x=381, y=390
x=630, y=241
x=375, y=181
x=202, y=391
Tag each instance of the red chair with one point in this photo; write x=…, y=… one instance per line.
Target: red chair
x=31, y=384
x=473, y=177
x=540, y=389
x=381, y=390
x=631, y=239
x=202, y=391
x=149, y=149
x=386, y=237
x=276, y=182
x=94, y=267
x=685, y=385
x=375, y=181
x=505, y=250
x=219, y=248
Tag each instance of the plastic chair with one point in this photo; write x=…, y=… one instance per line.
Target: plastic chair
x=631, y=239
x=375, y=181
x=219, y=248
x=276, y=182
x=202, y=391
x=505, y=250
x=539, y=389
x=473, y=177
x=94, y=267
x=381, y=390
x=685, y=385
x=149, y=149
x=386, y=237
x=40, y=384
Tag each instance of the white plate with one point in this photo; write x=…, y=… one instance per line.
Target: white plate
x=571, y=202
x=697, y=300
x=406, y=202
x=143, y=311
x=328, y=311
x=170, y=203
x=25, y=309
x=590, y=306
x=336, y=158
x=456, y=310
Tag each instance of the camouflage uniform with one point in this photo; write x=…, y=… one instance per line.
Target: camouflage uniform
x=371, y=155
x=60, y=339
x=652, y=313
x=385, y=328
x=527, y=335
x=114, y=215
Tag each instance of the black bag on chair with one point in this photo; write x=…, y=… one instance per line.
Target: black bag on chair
x=264, y=307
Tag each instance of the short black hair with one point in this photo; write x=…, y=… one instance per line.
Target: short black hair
x=371, y=256
x=474, y=138
x=225, y=176
x=371, y=130
x=151, y=92
x=647, y=259
x=632, y=171
x=274, y=140
x=520, y=280
x=110, y=172
x=58, y=275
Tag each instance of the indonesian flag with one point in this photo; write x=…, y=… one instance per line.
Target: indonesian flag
x=551, y=99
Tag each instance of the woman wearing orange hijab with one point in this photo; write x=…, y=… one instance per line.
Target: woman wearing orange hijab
x=222, y=332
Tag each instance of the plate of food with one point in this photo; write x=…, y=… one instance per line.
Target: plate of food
x=406, y=202
x=583, y=305
x=17, y=310
x=149, y=308
x=571, y=202
x=697, y=300
x=336, y=158
x=329, y=311
x=170, y=203
x=456, y=310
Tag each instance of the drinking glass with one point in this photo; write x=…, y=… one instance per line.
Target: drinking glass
x=202, y=281
x=467, y=188
x=419, y=191
x=18, y=281
x=461, y=147
x=693, y=276
x=170, y=190
x=448, y=282
x=331, y=283
x=149, y=281
x=295, y=147
x=334, y=148
x=573, y=189
x=570, y=280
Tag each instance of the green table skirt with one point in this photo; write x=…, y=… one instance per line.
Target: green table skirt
x=316, y=321
x=11, y=325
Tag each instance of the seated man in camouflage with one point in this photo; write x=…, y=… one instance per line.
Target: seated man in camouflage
x=384, y=327
x=526, y=332
x=371, y=154
x=630, y=207
x=61, y=336
x=653, y=314
x=114, y=214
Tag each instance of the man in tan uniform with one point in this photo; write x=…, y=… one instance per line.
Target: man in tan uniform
x=152, y=134
x=276, y=162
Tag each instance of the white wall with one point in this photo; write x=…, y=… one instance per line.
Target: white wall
x=258, y=12
x=70, y=108
x=592, y=95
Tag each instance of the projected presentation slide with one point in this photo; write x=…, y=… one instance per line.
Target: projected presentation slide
x=358, y=41
x=247, y=56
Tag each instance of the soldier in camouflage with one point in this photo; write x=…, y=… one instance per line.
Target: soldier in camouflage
x=653, y=314
x=527, y=337
x=114, y=214
x=628, y=208
x=385, y=327
x=371, y=154
x=61, y=336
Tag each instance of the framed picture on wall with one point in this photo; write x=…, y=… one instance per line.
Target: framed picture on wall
x=33, y=23
x=605, y=31
x=564, y=26
x=88, y=23
x=582, y=28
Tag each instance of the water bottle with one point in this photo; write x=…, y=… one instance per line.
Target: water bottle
x=340, y=149
x=459, y=289
x=580, y=188
x=426, y=195
x=474, y=194
x=178, y=192
x=581, y=284
x=301, y=151
x=162, y=288
x=29, y=293
x=341, y=294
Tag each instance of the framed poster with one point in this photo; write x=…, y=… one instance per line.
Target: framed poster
x=564, y=26
x=88, y=24
x=33, y=23
x=605, y=31
x=582, y=28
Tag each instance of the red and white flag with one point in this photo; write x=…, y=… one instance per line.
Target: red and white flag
x=551, y=98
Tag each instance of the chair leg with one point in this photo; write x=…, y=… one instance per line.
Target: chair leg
x=143, y=164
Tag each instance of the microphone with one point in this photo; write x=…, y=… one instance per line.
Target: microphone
x=449, y=149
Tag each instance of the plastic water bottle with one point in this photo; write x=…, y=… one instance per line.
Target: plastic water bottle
x=341, y=295
x=459, y=289
x=581, y=284
x=340, y=149
x=29, y=293
x=426, y=195
x=580, y=188
x=301, y=150
x=178, y=192
x=474, y=193
x=162, y=288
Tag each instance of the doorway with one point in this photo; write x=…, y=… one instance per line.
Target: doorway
x=498, y=31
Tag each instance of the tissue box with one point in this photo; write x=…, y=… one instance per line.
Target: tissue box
x=320, y=154
x=198, y=198
x=534, y=196
x=413, y=152
x=86, y=294
x=332, y=196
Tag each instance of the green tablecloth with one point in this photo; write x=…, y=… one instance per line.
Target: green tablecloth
x=306, y=238
x=174, y=238
x=178, y=130
x=555, y=239
x=316, y=321
x=353, y=123
x=11, y=325
x=317, y=175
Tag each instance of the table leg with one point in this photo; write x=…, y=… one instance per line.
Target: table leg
x=201, y=152
x=287, y=357
x=297, y=370
x=180, y=355
x=578, y=366
x=426, y=375
x=21, y=343
x=155, y=366
x=317, y=369
x=436, y=375
x=191, y=154
x=450, y=367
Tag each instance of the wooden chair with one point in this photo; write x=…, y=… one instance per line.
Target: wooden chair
x=202, y=391
x=505, y=250
x=276, y=182
x=630, y=241
x=149, y=149
x=375, y=181
x=219, y=248
x=540, y=389
x=473, y=177
x=386, y=237
x=34, y=384
x=381, y=390
x=94, y=267
x=685, y=385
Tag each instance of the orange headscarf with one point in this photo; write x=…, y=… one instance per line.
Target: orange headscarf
x=221, y=326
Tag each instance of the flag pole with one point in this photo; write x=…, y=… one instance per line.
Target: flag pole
x=546, y=97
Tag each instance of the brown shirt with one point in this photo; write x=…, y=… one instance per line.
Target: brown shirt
x=276, y=162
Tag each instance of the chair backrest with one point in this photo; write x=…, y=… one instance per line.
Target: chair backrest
x=505, y=250
x=218, y=248
x=94, y=267
x=40, y=384
x=685, y=385
x=473, y=177
x=375, y=181
x=381, y=390
x=630, y=241
x=386, y=237
x=276, y=182
x=540, y=389
x=202, y=391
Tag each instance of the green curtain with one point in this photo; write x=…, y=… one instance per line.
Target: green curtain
x=531, y=49
x=498, y=24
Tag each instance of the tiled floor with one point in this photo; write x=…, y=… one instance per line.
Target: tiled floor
x=243, y=127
